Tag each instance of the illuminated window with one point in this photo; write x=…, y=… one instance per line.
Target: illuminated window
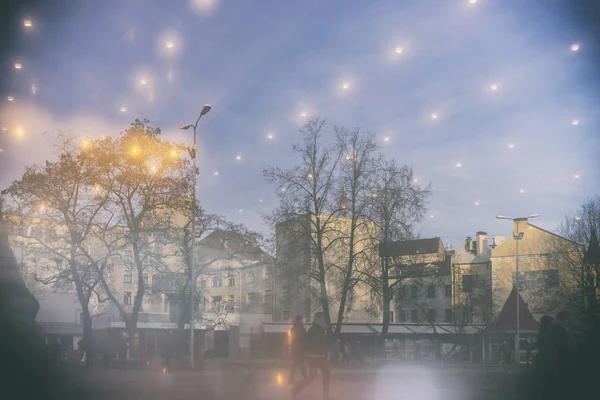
x=127, y=298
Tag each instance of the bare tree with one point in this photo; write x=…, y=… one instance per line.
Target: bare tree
x=308, y=212
x=399, y=202
x=143, y=179
x=58, y=201
x=575, y=256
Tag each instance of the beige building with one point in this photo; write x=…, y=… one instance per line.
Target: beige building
x=536, y=277
x=298, y=288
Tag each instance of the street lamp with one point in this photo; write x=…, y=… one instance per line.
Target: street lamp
x=517, y=236
x=192, y=152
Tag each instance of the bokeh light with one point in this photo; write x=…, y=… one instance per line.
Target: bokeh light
x=575, y=47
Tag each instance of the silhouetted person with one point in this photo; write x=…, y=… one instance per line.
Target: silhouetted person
x=316, y=355
x=122, y=353
x=26, y=371
x=528, y=348
x=546, y=361
x=56, y=351
x=298, y=348
x=417, y=351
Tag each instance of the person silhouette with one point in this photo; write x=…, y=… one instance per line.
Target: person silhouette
x=316, y=355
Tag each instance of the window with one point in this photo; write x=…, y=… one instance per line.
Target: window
x=216, y=300
x=431, y=292
x=467, y=283
x=448, y=290
x=414, y=315
x=231, y=298
x=431, y=315
x=250, y=277
x=231, y=281
x=414, y=293
x=391, y=317
x=127, y=298
x=401, y=316
x=267, y=272
x=203, y=284
x=127, y=277
x=217, y=281
x=145, y=279
x=448, y=315
x=402, y=293
x=268, y=297
x=251, y=299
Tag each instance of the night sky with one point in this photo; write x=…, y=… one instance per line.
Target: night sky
x=495, y=103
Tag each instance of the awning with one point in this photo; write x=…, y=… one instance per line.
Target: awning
x=61, y=328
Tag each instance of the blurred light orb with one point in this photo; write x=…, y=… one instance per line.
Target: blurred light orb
x=458, y=164
x=27, y=23
x=434, y=116
x=240, y=210
x=270, y=136
x=19, y=132
x=575, y=122
x=472, y=1
x=415, y=180
x=476, y=203
x=18, y=66
x=33, y=89
x=374, y=195
x=398, y=50
x=575, y=47
x=85, y=143
x=576, y=176
x=345, y=85
x=309, y=175
x=494, y=87
x=260, y=200
x=578, y=218
x=216, y=173
x=1, y=149
x=10, y=98
x=169, y=44
x=303, y=114
x=348, y=157
x=123, y=109
x=386, y=138
x=431, y=216
x=4, y=129
x=511, y=145
x=238, y=157
x=521, y=191
x=143, y=81
x=204, y=6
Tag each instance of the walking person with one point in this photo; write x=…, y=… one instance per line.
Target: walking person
x=122, y=353
x=316, y=355
x=298, y=348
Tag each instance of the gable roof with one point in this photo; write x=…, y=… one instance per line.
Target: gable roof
x=507, y=319
x=410, y=247
x=235, y=242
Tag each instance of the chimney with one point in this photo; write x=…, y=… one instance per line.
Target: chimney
x=468, y=243
x=482, y=242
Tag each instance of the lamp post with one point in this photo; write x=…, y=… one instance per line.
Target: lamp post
x=192, y=152
x=517, y=236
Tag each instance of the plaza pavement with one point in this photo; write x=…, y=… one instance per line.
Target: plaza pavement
x=223, y=380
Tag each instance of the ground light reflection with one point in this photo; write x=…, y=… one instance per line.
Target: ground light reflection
x=421, y=385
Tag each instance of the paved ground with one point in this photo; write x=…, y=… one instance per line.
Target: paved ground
x=254, y=381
